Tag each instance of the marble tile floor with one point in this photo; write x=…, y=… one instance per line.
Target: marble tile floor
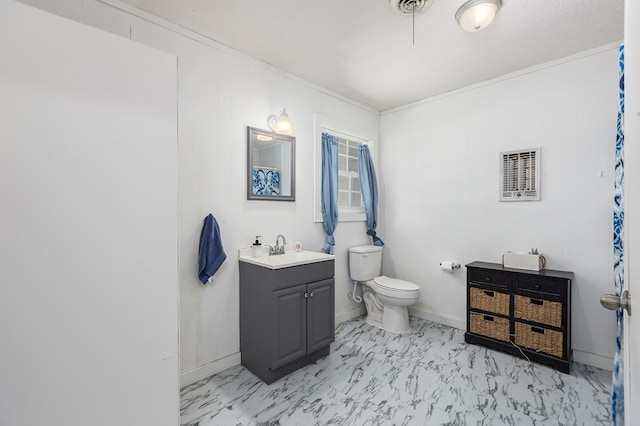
x=428, y=376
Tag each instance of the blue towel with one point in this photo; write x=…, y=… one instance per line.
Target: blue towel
x=210, y=253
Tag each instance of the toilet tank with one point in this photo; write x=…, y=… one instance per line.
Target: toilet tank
x=365, y=262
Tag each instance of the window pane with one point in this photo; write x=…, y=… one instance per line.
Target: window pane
x=343, y=198
x=353, y=165
x=355, y=184
x=342, y=162
x=353, y=150
x=343, y=183
x=356, y=199
x=342, y=147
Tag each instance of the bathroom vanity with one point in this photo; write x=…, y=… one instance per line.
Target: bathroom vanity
x=525, y=313
x=287, y=311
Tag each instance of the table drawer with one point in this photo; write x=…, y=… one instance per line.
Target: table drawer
x=489, y=300
x=490, y=277
x=550, y=288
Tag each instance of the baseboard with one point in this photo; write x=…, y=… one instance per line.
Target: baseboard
x=440, y=319
x=595, y=360
x=209, y=369
x=354, y=313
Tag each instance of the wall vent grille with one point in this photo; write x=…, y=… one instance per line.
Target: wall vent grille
x=520, y=175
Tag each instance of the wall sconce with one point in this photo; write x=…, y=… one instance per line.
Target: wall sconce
x=476, y=15
x=280, y=123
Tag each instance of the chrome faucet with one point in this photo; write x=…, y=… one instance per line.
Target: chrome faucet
x=278, y=249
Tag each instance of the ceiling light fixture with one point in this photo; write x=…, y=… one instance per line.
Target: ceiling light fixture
x=280, y=123
x=476, y=15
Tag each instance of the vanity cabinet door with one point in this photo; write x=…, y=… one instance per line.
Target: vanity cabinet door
x=289, y=325
x=320, y=314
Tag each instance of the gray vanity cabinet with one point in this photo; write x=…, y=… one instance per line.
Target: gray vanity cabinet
x=287, y=317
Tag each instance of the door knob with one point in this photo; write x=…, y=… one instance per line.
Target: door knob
x=612, y=302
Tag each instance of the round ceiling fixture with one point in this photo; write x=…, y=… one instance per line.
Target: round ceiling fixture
x=476, y=15
x=409, y=7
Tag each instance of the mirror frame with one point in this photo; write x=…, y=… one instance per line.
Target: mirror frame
x=252, y=133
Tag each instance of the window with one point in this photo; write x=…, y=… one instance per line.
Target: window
x=349, y=191
x=350, y=204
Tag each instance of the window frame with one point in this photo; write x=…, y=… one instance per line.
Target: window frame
x=345, y=130
x=346, y=173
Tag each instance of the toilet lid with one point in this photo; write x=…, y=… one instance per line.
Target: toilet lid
x=395, y=284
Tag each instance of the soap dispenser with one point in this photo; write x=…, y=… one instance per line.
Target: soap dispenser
x=256, y=248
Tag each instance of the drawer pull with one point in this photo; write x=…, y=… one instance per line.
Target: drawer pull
x=488, y=279
x=536, y=286
x=489, y=293
x=488, y=318
x=537, y=302
x=537, y=330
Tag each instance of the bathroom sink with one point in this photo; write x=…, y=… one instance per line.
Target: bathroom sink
x=293, y=258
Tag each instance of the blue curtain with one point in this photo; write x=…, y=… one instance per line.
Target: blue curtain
x=369, y=186
x=329, y=189
x=617, y=391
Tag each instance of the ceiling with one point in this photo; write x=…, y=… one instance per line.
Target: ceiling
x=364, y=51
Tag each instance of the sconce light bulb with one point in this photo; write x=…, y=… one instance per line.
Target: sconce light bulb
x=283, y=126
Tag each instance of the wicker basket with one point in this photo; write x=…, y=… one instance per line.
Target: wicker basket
x=489, y=300
x=539, y=339
x=538, y=310
x=490, y=326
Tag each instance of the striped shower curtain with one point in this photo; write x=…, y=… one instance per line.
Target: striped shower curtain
x=617, y=391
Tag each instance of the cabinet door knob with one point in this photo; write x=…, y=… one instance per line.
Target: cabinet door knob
x=306, y=294
x=311, y=295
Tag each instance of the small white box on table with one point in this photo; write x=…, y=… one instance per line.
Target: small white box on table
x=531, y=262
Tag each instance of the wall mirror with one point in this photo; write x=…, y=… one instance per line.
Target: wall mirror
x=271, y=166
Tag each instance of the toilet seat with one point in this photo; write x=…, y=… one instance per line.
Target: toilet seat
x=393, y=287
x=395, y=284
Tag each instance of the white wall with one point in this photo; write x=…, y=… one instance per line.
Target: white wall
x=220, y=92
x=439, y=187
x=89, y=250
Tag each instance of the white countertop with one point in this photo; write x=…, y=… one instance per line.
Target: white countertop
x=286, y=260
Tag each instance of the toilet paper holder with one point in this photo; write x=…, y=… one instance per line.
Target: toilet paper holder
x=449, y=265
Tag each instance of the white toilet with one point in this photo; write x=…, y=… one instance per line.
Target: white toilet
x=386, y=299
